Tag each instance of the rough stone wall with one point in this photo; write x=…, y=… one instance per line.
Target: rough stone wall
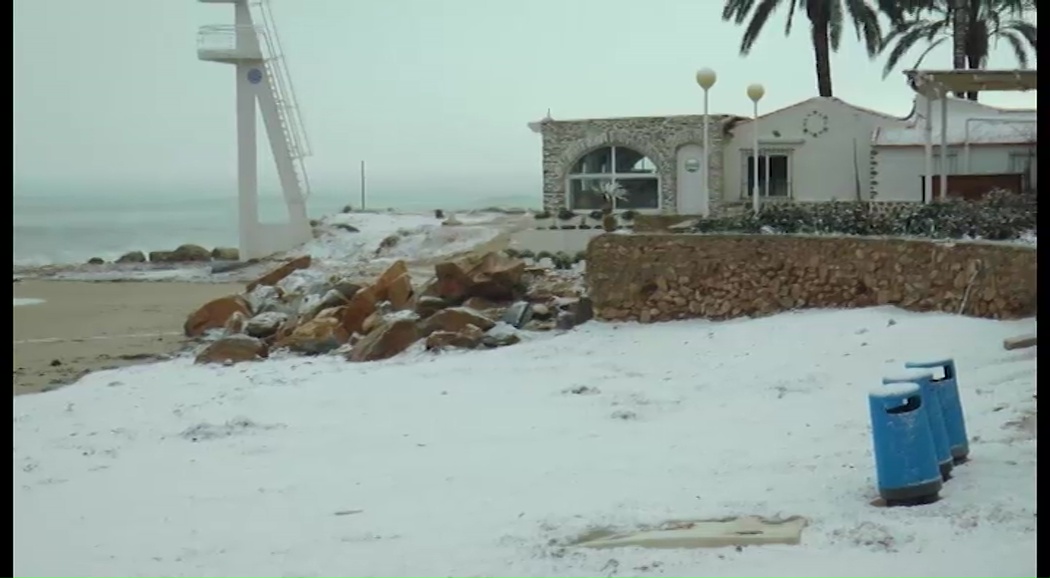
x=658, y=277
x=659, y=138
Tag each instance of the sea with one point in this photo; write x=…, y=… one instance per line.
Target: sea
x=54, y=226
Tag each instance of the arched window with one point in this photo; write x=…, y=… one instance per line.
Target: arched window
x=624, y=175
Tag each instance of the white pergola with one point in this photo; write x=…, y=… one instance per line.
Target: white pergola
x=937, y=84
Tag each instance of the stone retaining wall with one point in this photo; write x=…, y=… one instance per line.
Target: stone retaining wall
x=658, y=277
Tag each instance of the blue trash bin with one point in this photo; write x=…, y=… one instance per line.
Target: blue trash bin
x=934, y=416
x=906, y=466
x=951, y=405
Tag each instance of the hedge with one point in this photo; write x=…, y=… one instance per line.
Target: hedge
x=997, y=217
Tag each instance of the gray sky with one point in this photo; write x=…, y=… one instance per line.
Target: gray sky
x=109, y=93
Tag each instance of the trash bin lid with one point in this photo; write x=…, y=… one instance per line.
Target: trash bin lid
x=913, y=375
x=900, y=389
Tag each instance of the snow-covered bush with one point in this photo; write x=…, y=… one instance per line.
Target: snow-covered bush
x=997, y=217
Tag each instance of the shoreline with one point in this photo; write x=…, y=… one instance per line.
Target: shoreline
x=87, y=326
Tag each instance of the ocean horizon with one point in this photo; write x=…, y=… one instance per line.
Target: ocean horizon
x=56, y=226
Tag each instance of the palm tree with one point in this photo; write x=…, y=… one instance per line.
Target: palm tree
x=825, y=21
x=973, y=26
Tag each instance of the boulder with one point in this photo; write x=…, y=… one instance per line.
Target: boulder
x=455, y=319
x=518, y=314
x=582, y=310
x=427, y=306
x=132, y=257
x=265, y=324
x=226, y=254
x=214, y=314
x=469, y=338
x=96, y=261
x=187, y=253
x=233, y=349
x=346, y=288
x=495, y=277
x=235, y=324
x=500, y=335
x=541, y=312
x=276, y=275
x=394, y=285
x=354, y=313
x=315, y=336
x=386, y=341
x=329, y=300
x=161, y=256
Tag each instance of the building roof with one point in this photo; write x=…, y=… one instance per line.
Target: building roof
x=968, y=121
x=931, y=81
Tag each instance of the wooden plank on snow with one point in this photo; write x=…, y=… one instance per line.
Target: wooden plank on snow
x=1019, y=342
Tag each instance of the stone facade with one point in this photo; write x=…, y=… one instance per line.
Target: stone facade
x=659, y=277
x=659, y=138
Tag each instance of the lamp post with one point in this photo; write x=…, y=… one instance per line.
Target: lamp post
x=755, y=92
x=706, y=78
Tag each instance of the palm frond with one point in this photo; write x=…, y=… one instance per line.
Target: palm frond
x=759, y=17
x=906, y=39
x=1017, y=43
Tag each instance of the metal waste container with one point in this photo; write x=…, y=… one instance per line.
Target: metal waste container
x=934, y=416
x=906, y=466
x=951, y=405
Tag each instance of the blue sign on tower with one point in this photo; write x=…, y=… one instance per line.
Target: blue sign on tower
x=255, y=76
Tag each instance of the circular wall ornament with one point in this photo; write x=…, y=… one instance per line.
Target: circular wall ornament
x=255, y=76
x=692, y=165
x=815, y=123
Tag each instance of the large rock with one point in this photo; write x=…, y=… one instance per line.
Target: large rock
x=354, y=313
x=161, y=256
x=518, y=314
x=394, y=285
x=454, y=320
x=132, y=257
x=187, y=253
x=497, y=277
x=469, y=338
x=233, y=349
x=494, y=277
x=427, y=306
x=315, y=337
x=329, y=300
x=276, y=275
x=214, y=314
x=386, y=341
x=226, y=254
x=265, y=324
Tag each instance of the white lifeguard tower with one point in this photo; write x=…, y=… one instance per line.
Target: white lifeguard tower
x=251, y=44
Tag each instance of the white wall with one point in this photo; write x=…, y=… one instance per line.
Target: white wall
x=570, y=241
x=900, y=169
x=821, y=168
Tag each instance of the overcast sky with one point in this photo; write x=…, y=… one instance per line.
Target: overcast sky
x=110, y=93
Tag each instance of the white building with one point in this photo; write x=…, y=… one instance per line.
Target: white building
x=816, y=150
x=821, y=149
x=987, y=148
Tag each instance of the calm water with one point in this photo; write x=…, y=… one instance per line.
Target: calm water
x=59, y=227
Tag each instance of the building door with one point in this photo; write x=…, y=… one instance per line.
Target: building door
x=691, y=174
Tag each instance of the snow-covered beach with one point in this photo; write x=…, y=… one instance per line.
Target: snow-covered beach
x=492, y=462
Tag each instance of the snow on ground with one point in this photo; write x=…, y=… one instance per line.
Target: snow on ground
x=486, y=463
x=22, y=301
x=419, y=236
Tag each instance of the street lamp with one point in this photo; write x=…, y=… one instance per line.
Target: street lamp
x=706, y=78
x=755, y=92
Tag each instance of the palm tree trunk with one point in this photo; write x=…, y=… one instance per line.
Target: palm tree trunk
x=822, y=53
x=960, y=26
x=974, y=63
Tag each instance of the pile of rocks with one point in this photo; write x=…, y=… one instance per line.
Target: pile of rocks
x=480, y=302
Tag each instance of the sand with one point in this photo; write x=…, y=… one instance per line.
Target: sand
x=83, y=326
